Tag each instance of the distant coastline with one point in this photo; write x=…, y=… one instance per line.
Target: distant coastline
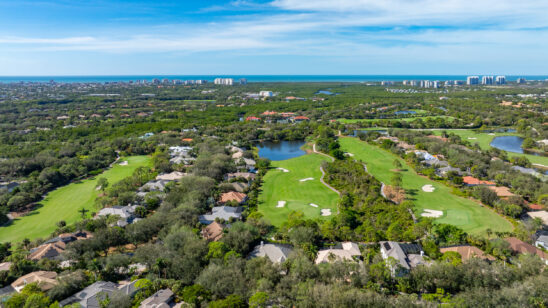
x=251, y=78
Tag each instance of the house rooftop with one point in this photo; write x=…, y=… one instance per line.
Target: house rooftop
x=467, y=252
x=346, y=252
x=232, y=196
x=520, y=246
x=45, y=280
x=469, y=180
x=277, y=253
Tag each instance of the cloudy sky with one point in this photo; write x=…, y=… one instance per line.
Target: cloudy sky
x=122, y=37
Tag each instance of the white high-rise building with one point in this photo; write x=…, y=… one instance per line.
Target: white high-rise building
x=501, y=80
x=521, y=80
x=472, y=80
x=487, y=80
x=224, y=81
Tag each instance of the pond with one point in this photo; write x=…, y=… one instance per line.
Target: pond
x=281, y=150
x=326, y=92
x=405, y=112
x=356, y=132
x=512, y=144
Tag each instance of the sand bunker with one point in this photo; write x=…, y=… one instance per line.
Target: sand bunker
x=313, y=205
x=349, y=154
x=491, y=134
x=124, y=163
x=472, y=138
x=281, y=204
x=283, y=169
x=307, y=179
x=432, y=213
x=326, y=212
x=428, y=188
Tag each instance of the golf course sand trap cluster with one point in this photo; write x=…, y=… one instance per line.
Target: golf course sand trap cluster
x=124, y=163
x=326, y=212
x=472, y=138
x=428, y=188
x=313, y=205
x=307, y=179
x=432, y=213
x=281, y=204
x=283, y=169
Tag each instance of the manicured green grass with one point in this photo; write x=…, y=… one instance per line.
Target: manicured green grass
x=64, y=203
x=285, y=186
x=352, y=121
x=484, y=139
x=458, y=211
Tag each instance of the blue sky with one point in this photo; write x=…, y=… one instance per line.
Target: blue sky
x=122, y=37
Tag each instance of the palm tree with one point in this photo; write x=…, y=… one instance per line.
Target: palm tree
x=83, y=211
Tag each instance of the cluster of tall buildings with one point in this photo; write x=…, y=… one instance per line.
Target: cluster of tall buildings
x=422, y=83
x=486, y=80
x=228, y=81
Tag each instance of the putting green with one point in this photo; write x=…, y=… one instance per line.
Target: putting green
x=458, y=211
x=298, y=195
x=64, y=203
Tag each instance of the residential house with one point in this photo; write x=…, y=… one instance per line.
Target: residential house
x=245, y=175
x=249, y=163
x=154, y=185
x=9, y=186
x=253, y=119
x=222, y=212
x=126, y=214
x=542, y=241
x=346, y=252
x=468, y=252
x=53, y=248
x=45, y=280
x=5, y=266
x=233, y=196
x=173, y=176
x=160, y=299
x=213, y=232
x=239, y=186
x=91, y=296
x=445, y=170
x=299, y=119
x=519, y=246
x=406, y=255
x=542, y=215
x=472, y=181
x=277, y=253
x=501, y=191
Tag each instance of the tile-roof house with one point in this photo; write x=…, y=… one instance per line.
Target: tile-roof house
x=160, y=299
x=239, y=186
x=222, y=212
x=501, y=191
x=468, y=252
x=213, y=232
x=233, y=196
x=5, y=266
x=542, y=215
x=45, y=280
x=406, y=255
x=173, y=176
x=93, y=294
x=472, y=181
x=520, y=246
x=346, y=252
x=47, y=251
x=277, y=253
x=246, y=175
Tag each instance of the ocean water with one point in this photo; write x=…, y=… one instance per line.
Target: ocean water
x=250, y=78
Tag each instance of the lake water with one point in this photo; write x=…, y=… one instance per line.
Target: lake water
x=281, y=150
x=512, y=144
x=326, y=92
x=508, y=143
x=405, y=112
x=356, y=132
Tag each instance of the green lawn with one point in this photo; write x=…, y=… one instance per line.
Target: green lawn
x=64, y=203
x=285, y=186
x=458, y=211
x=484, y=139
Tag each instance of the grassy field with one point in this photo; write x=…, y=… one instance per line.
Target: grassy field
x=458, y=211
x=286, y=186
x=64, y=203
x=484, y=139
x=352, y=121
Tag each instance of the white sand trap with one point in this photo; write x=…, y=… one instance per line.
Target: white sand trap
x=349, y=154
x=432, y=213
x=281, y=204
x=313, y=205
x=283, y=169
x=428, y=188
x=326, y=212
x=124, y=163
x=307, y=179
x=491, y=134
x=472, y=138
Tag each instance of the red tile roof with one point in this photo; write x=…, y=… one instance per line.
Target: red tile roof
x=232, y=196
x=467, y=252
x=536, y=207
x=520, y=246
x=469, y=180
x=252, y=119
x=301, y=118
